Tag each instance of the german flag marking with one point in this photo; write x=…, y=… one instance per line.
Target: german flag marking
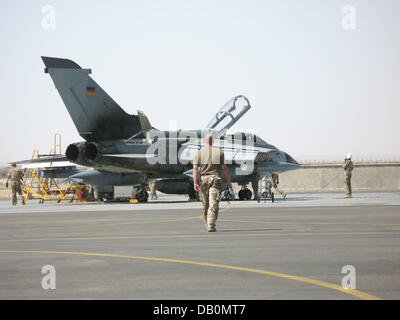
x=90, y=91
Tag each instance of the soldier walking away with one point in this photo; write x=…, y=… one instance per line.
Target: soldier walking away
x=348, y=168
x=211, y=160
x=275, y=182
x=153, y=191
x=16, y=176
x=255, y=180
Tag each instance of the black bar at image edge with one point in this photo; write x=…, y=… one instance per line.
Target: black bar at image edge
x=196, y=309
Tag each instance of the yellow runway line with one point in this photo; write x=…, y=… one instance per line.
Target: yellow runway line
x=356, y=293
x=233, y=206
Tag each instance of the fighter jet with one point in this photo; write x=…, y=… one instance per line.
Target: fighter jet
x=125, y=149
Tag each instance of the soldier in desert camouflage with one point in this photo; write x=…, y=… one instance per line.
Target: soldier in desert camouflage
x=275, y=182
x=348, y=169
x=16, y=176
x=153, y=191
x=211, y=160
x=255, y=180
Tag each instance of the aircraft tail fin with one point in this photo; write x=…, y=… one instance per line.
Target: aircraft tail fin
x=95, y=114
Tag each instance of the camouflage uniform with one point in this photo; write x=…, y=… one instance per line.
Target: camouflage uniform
x=153, y=192
x=210, y=159
x=16, y=176
x=210, y=189
x=255, y=179
x=275, y=182
x=348, y=168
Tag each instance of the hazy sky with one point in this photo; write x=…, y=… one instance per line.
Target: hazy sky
x=316, y=88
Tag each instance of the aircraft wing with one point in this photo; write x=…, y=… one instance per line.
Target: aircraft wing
x=51, y=162
x=48, y=165
x=44, y=159
x=51, y=166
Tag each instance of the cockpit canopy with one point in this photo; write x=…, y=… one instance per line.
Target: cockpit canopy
x=246, y=138
x=229, y=114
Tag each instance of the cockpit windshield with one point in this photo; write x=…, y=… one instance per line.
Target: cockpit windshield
x=245, y=138
x=228, y=114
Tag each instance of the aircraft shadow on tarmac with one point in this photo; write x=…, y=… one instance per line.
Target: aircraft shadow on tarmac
x=143, y=203
x=305, y=198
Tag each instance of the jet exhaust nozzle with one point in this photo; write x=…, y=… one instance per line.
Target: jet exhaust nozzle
x=72, y=152
x=81, y=152
x=91, y=151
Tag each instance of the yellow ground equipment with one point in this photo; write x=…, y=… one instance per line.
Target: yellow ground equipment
x=48, y=190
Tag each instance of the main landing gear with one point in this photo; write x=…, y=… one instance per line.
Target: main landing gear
x=245, y=193
x=141, y=194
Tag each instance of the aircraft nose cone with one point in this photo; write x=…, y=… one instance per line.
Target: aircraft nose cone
x=290, y=159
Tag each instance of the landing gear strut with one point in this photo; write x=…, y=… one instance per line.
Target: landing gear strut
x=141, y=194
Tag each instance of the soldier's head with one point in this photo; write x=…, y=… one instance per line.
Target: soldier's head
x=348, y=156
x=208, y=140
x=13, y=165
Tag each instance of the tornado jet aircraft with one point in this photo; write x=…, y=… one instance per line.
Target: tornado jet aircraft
x=125, y=149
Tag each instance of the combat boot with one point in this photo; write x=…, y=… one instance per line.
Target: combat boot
x=211, y=228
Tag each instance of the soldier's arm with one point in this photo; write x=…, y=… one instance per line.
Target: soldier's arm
x=227, y=175
x=225, y=169
x=196, y=172
x=21, y=175
x=196, y=178
x=9, y=176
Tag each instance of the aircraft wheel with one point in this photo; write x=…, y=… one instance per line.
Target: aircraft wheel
x=272, y=197
x=248, y=194
x=142, y=196
x=242, y=194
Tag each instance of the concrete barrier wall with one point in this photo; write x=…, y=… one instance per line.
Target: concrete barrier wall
x=330, y=178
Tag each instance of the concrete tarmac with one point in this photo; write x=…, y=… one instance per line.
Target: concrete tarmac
x=291, y=249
